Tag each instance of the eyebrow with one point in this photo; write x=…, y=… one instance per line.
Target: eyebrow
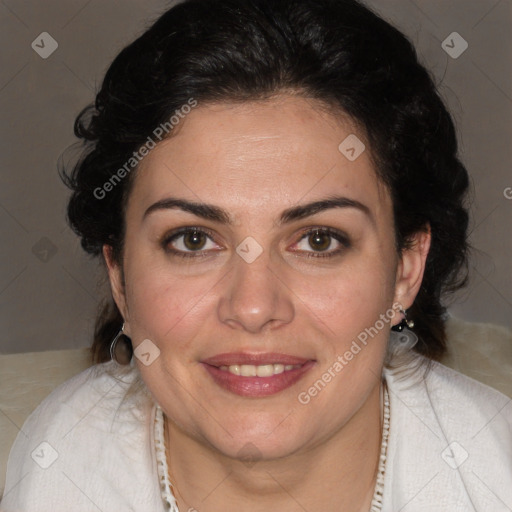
x=216, y=214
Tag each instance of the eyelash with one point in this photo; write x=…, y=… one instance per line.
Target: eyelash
x=170, y=237
x=333, y=233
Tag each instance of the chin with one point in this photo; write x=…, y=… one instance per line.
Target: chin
x=258, y=441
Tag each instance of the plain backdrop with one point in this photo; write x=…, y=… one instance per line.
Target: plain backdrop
x=49, y=289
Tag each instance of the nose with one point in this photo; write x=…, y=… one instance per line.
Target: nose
x=255, y=297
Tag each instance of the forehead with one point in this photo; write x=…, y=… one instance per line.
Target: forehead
x=267, y=154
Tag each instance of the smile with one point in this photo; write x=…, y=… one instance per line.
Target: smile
x=266, y=370
x=256, y=375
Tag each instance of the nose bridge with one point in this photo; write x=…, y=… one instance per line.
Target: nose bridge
x=254, y=297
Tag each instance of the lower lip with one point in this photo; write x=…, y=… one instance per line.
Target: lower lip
x=257, y=386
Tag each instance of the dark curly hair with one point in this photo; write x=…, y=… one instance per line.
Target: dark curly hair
x=338, y=52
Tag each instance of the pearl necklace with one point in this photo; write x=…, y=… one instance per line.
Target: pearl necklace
x=163, y=469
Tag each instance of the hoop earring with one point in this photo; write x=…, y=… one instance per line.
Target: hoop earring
x=404, y=323
x=121, y=353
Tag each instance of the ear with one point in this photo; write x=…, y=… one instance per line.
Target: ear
x=115, y=275
x=411, y=268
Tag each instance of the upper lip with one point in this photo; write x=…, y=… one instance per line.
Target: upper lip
x=232, y=358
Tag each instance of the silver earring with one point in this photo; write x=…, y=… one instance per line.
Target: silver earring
x=402, y=339
x=404, y=323
x=121, y=353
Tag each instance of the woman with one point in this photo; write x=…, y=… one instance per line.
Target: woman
x=275, y=189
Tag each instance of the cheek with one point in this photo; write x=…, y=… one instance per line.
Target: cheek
x=164, y=306
x=349, y=298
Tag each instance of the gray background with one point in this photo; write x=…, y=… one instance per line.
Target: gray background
x=49, y=289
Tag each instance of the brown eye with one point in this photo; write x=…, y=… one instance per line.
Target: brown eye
x=322, y=243
x=194, y=241
x=190, y=242
x=319, y=241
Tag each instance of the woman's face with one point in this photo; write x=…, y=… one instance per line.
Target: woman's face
x=253, y=238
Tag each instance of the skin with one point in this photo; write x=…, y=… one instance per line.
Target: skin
x=255, y=160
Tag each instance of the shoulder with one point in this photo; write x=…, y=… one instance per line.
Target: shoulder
x=450, y=440
x=460, y=402
x=93, y=395
x=89, y=440
x=443, y=385
x=453, y=405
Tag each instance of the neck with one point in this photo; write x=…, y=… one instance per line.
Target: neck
x=338, y=473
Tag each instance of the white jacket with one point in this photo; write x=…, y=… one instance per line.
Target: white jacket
x=90, y=446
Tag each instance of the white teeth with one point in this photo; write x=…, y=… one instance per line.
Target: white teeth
x=248, y=370
x=266, y=370
x=235, y=368
x=278, y=368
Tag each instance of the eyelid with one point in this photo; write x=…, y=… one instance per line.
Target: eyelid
x=186, y=229
x=341, y=237
x=183, y=230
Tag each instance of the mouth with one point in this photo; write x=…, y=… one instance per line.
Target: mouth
x=256, y=375
x=266, y=370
